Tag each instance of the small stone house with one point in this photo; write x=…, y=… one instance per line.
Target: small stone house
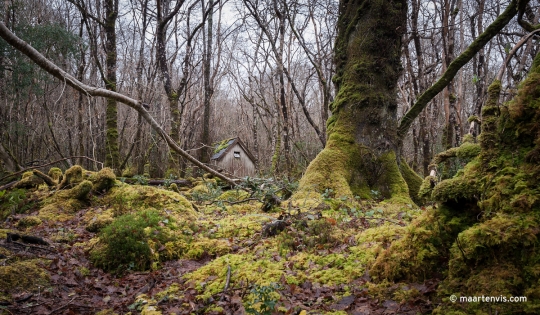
x=232, y=156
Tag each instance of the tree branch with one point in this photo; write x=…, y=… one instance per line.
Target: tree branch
x=57, y=72
x=455, y=66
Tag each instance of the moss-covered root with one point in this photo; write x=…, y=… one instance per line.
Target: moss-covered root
x=466, y=151
x=413, y=180
x=73, y=176
x=103, y=180
x=423, y=250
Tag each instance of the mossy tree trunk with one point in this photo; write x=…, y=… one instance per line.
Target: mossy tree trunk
x=112, y=157
x=360, y=153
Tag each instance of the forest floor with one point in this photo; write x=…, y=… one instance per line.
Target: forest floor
x=237, y=259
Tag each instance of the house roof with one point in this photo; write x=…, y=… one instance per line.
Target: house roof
x=225, y=146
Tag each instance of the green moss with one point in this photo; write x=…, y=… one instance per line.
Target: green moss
x=465, y=151
x=97, y=219
x=28, y=221
x=132, y=198
x=60, y=209
x=221, y=145
x=426, y=189
x=129, y=172
x=23, y=275
x=234, y=195
x=16, y=201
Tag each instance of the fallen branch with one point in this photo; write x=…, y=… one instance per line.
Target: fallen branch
x=158, y=182
x=12, y=237
x=233, y=202
x=7, y=186
x=49, y=181
x=227, y=281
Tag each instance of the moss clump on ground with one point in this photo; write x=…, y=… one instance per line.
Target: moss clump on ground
x=23, y=275
x=132, y=198
x=234, y=195
x=150, y=225
x=97, y=219
x=103, y=180
x=129, y=172
x=64, y=204
x=130, y=242
x=28, y=221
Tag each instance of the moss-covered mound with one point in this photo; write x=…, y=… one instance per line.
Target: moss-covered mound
x=484, y=237
x=131, y=198
x=141, y=226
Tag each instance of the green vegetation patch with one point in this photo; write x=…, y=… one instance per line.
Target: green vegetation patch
x=131, y=241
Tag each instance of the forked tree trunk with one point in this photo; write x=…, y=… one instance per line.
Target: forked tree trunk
x=360, y=154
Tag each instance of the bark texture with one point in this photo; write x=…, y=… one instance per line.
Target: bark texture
x=360, y=153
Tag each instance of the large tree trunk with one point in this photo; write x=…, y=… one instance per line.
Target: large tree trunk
x=360, y=154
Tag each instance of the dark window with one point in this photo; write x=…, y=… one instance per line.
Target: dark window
x=237, y=154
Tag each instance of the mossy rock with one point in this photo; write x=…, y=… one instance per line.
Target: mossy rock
x=72, y=177
x=56, y=174
x=129, y=172
x=61, y=209
x=103, y=180
x=234, y=195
